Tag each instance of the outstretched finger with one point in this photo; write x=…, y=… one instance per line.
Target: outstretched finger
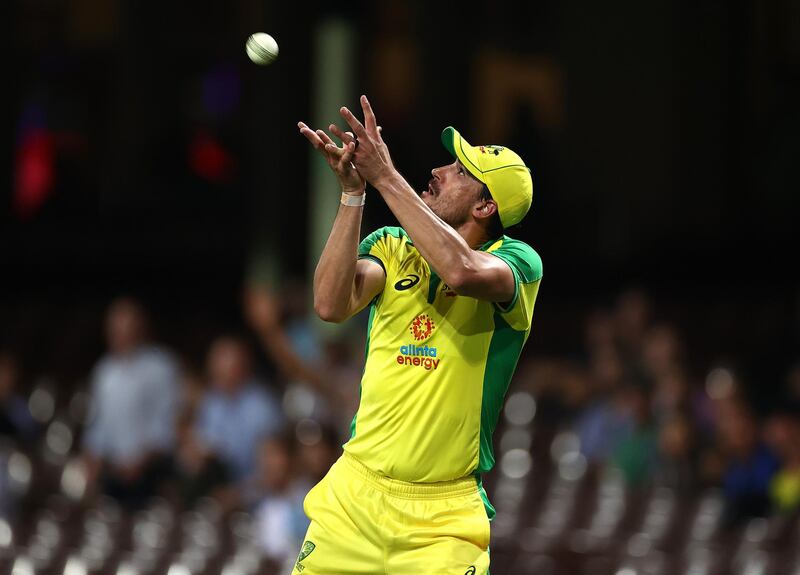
x=369, y=116
x=345, y=137
x=311, y=136
x=353, y=122
x=326, y=139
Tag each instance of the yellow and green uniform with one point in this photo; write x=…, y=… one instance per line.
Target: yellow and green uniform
x=438, y=365
x=437, y=369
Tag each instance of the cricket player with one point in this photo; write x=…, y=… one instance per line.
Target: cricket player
x=450, y=306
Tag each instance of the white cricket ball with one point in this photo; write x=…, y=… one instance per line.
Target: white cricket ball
x=262, y=48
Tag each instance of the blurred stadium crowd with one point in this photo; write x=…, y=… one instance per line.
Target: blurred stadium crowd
x=617, y=459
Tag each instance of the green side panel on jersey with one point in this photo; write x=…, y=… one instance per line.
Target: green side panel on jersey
x=504, y=350
x=433, y=285
x=372, y=307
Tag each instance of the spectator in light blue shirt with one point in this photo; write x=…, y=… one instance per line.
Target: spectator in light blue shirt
x=135, y=396
x=238, y=411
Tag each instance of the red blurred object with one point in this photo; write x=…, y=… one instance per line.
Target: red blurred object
x=35, y=172
x=209, y=159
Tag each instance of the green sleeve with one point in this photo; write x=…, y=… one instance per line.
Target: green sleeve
x=526, y=265
x=380, y=246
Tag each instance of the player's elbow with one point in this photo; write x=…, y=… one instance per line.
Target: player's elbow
x=329, y=312
x=460, y=279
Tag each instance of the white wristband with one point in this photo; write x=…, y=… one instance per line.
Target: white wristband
x=352, y=200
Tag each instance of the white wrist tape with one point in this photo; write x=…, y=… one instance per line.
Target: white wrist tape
x=351, y=200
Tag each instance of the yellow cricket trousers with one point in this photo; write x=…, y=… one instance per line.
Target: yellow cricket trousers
x=365, y=524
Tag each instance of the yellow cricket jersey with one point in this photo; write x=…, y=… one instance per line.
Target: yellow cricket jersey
x=438, y=364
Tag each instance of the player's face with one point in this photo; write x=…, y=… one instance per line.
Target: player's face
x=452, y=193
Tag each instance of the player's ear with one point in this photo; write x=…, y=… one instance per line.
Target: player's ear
x=485, y=209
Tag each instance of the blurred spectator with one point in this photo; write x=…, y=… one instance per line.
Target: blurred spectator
x=783, y=436
x=750, y=464
x=343, y=368
x=661, y=352
x=238, y=411
x=607, y=419
x=607, y=369
x=599, y=330
x=632, y=315
x=135, y=395
x=199, y=473
x=15, y=417
x=193, y=387
x=677, y=454
x=281, y=520
x=295, y=306
x=323, y=388
x=671, y=394
x=17, y=427
x=561, y=388
x=320, y=447
x=635, y=454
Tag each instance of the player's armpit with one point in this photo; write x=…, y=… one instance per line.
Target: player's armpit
x=485, y=277
x=367, y=283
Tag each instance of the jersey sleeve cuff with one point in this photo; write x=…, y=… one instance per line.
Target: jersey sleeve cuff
x=375, y=259
x=504, y=307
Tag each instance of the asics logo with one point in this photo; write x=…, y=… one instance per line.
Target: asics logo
x=407, y=282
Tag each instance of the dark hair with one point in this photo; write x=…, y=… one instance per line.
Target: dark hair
x=495, y=228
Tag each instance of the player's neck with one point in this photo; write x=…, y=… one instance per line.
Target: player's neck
x=473, y=234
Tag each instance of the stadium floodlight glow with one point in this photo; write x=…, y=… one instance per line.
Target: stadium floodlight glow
x=516, y=463
x=75, y=566
x=520, y=408
x=564, y=443
x=572, y=466
x=179, y=569
x=59, y=438
x=516, y=438
x=42, y=403
x=6, y=535
x=19, y=471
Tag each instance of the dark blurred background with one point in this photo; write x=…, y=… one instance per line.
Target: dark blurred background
x=150, y=158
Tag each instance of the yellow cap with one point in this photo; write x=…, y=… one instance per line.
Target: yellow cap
x=503, y=171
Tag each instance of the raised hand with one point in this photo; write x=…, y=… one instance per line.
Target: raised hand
x=371, y=156
x=340, y=160
x=262, y=309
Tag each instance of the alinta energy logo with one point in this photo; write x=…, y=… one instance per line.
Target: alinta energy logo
x=424, y=356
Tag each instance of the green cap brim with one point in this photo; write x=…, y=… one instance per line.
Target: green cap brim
x=455, y=143
x=448, y=140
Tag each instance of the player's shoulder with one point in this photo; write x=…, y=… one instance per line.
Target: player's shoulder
x=385, y=237
x=395, y=232
x=522, y=255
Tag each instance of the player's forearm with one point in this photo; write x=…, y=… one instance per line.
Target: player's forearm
x=441, y=246
x=336, y=269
